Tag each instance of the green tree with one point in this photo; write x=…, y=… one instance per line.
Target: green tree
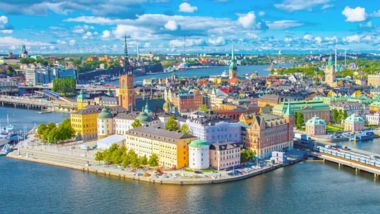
x=153, y=160
x=246, y=155
x=64, y=86
x=172, y=124
x=99, y=156
x=41, y=129
x=335, y=115
x=204, y=108
x=185, y=129
x=144, y=160
x=299, y=120
x=136, y=123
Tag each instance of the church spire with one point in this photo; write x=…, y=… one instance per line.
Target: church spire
x=127, y=66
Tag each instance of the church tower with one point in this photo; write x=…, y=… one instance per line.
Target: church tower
x=126, y=83
x=330, y=73
x=233, y=67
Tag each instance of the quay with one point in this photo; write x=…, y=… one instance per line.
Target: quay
x=35, y=103
x=355, y=159
x=86, y=163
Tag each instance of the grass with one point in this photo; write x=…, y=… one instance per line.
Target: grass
x=333, y=128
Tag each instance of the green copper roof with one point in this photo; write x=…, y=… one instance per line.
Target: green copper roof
x=81, y=95
x=105, y=113
x=233, y=65
x=354, y=118
x=198, y=143
x=315, y=121
x=330, y=61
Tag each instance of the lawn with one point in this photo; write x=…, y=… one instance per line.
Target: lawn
x=333, y=128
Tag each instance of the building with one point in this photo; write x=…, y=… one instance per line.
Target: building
x=199, y=154
x=350, y=107
x=123, y=122
x=105, y=123
x=224, y=155
x=107, y=142
x=233, y=72
x=82, y=101
x=171, y=147
x=214, y=129
x=373, y=80
x=126, y=84
x=315, y=126
x=373, y=119
x=232, y=111
x=85, y=122
x=330, y=73
x=309, y=109
x=187, y=101
x=268, y=132
x=354, y=123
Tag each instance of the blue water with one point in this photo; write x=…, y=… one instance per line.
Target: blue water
x=303, y=188
x=24, y=119
x=262, y=70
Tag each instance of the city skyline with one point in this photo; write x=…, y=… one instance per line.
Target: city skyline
x=164, y=26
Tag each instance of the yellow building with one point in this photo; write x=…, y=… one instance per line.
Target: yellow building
x=374, y=80
x=81, y=100
x=85, y=122
x=171, y=147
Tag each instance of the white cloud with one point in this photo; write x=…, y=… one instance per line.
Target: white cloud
x=171, y=25
x=91, y=20
x=177, y=43
x=3, y=20
x=106, y=34
x=318, y=39
x=366, y=24
x=72, y=42
x=308, y=37
x=293, y=5
x=262, y=13
x=247, y=20
x=187, y=8
x=283, y=24
x=12, y=41
x=252, y=36
x=7, y=31
x=216, y=41
x=354, y=14
x=352, y=39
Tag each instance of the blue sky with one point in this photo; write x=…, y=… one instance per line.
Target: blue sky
x=175, y=26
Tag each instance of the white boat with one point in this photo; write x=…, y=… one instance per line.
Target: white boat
x=5, y=150
x=224, y=74
x=6, y=130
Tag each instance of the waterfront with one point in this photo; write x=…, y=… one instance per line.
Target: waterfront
x=310, y=187
x=24, y=119
x=262, y=70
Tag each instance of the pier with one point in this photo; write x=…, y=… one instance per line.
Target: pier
x=355, y=159
x=35, y=103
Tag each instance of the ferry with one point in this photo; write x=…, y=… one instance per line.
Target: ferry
x=362, y=136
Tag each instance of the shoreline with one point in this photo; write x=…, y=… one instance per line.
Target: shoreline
x=76, y=164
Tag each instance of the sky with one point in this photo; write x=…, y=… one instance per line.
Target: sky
x=193, y=26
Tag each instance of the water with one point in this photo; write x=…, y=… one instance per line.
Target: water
x=302, y=188
x=370, y=146
x=24, y=119
x=262, y=70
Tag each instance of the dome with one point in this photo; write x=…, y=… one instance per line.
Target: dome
x=315, y=121
x=105, y=113
x=144, y=117
x=199, y=143
x=81, y=95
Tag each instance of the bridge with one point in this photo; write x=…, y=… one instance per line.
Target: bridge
x=356, y=159
x=36, y=103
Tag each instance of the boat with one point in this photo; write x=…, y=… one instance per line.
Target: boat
x=362, y=136
x=5, y=150
x=224, y=74
x=6, y=130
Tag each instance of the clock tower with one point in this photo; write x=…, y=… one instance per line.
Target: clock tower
x=126, y=83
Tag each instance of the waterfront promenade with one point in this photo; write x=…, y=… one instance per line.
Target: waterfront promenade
x=71, y=156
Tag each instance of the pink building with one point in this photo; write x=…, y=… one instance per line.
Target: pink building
x=224, y=155
x=315, y=126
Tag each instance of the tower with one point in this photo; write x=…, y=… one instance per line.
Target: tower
x=330, y=73
x=233, y=66
x=81, y=100
x=290, y=120
x=126, y=83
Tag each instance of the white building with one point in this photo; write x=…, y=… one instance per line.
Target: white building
x=199, y=157
x=123, y=122
x=373, y=119
x=107, y=142
x=105, y=123
x=354, y=123
x=224, y=155
x=215, y=130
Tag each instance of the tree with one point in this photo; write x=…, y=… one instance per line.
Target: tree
x=99, y=156
x=153, y=160
x=144, y=160
x=41, y=129
x=51, y=133
x=204, y=108
x=246, y=155
x=172, y=124
x=298, y=119
x=65, y=86
x=335, y=115
x=185, y=129
x=136, y=123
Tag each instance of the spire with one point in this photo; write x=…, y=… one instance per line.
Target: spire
x=127, y=66
x=287, y=112
x=232, y=53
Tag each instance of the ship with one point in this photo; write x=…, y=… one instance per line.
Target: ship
x=362, y=136
x=5, y=150
x=8, y=129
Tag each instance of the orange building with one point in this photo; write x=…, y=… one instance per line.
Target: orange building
x=187, y=101
x=126, y=85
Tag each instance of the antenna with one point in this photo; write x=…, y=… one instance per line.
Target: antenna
x=345, y=58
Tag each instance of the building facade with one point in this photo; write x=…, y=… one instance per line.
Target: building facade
x=373, y=80
x=105, y=123
x=373, y=119
x=315, y=126
x=224, y=155
x=354, y=123
x=126, y=85
x=170, y=147
x=199, y=154
x=85, y=123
